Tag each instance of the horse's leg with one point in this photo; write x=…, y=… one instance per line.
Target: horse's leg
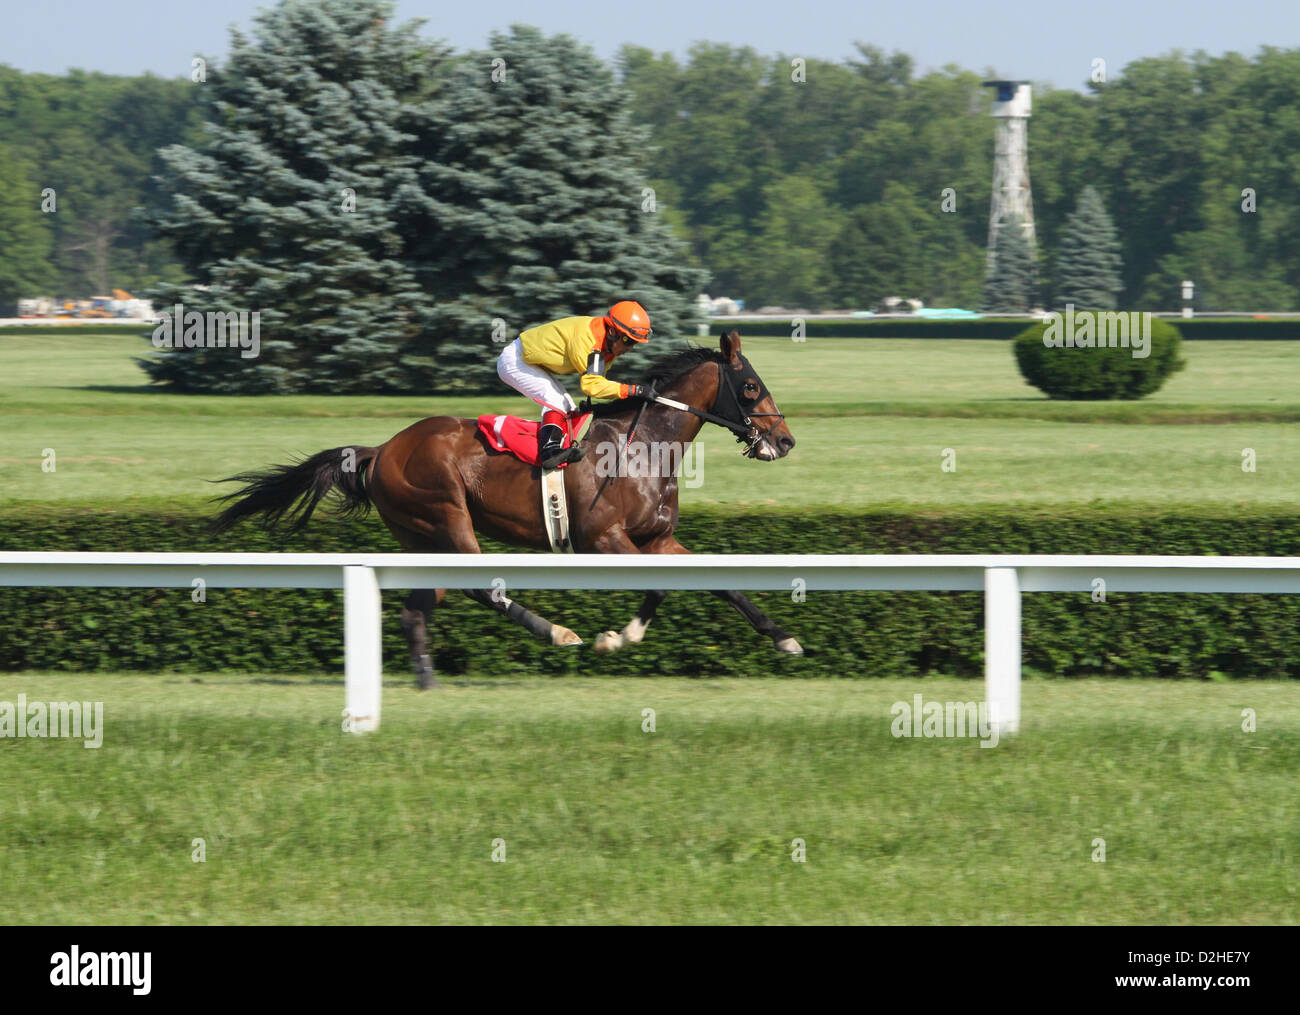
x=417, y=611
x=537, y=626
x=761, y=622
x=611, y=641
x=458, y=537
x=617, y=541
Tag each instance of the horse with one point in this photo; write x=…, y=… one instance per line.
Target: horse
x=439, y=482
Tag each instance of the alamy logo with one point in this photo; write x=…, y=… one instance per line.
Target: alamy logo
x=189, y=329
x=943, y=719
x=645, y=459
x=40, y=719
x=75, y=968
x=1100, y=330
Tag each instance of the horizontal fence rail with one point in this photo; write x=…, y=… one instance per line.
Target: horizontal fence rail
x=1002, y=579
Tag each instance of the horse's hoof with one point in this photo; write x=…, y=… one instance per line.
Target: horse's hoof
x=607, y=642
x=790, y=647
x=424, y=678
x=563, y=636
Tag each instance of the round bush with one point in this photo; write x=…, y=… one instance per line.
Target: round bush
x=1095, y=355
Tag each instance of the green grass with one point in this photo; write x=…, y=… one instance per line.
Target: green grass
x=694, y=823
x=871, y=418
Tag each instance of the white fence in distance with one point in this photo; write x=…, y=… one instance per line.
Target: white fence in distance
x=1002, y=578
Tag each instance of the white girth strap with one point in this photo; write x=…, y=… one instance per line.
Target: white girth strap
x=555, y=511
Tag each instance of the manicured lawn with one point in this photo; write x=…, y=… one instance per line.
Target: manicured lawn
x=693, y=823
x=872, y=419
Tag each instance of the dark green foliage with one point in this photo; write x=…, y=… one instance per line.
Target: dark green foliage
x=845, y=634
x=760, y=174
x=1096, y=371
x=1217, y=329
x=328, y=102
x=1011, y=284
x=530, y=204
x=988, y=327
x=766, y=164
x=1088, y=264
x=92, y=138
x=26, y=236
x=492, y=193
x=1243, y=329
x=903, y=246
x=1240, y=329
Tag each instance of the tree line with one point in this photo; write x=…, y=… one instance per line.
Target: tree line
x=830, y=190
x=492, y=188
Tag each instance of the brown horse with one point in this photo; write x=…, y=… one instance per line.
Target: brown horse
x=439, y=481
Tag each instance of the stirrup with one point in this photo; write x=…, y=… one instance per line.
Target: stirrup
x=552, y=459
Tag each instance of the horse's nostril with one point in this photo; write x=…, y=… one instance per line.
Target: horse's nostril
x=787, y=442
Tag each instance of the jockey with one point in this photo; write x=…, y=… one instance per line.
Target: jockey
x=572, y=345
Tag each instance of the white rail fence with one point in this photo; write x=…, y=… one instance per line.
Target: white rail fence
x=362, y=576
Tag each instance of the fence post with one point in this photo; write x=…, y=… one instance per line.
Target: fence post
x=362, y=649
x=1002, y=647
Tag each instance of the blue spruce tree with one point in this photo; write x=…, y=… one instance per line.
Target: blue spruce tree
x=397, y=214
x=289, y=209
x=1010, y=286
x=1089, y=262
x=533, y=204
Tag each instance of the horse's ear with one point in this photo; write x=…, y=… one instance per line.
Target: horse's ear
x=729, y=344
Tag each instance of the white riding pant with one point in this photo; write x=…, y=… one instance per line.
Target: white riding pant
x=538, y=384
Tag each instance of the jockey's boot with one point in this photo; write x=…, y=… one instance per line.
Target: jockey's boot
x=550, y=449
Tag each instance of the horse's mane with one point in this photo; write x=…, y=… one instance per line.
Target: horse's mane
x=668, y=367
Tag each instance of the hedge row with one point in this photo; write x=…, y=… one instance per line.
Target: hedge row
x=845, y=634
x=868, y=328
x=80, y=328
x=1198, y=328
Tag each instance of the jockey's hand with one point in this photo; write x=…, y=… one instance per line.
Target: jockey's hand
x=646, y=391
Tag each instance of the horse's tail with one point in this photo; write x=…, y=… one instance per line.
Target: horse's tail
x=295, y=490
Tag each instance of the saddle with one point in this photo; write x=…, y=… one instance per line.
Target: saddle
x=519, y=438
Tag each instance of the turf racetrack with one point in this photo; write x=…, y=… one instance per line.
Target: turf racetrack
x=872, y=419
x=693, y=823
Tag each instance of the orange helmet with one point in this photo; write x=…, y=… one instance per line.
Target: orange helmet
x=630, y=319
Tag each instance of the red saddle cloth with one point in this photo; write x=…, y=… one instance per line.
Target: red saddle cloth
x=519, y=436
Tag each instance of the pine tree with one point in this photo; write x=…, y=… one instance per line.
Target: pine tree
x=533, y=204
x=489, y=197
x=1009, y=287
x=1089, y=262
x=323, y=106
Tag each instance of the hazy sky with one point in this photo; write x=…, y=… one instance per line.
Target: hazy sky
x=1042, y=40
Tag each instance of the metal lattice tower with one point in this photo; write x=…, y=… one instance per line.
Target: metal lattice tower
x=1011, y=196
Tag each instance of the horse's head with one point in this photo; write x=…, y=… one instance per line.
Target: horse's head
x=743, y=398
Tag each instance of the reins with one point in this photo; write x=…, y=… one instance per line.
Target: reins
x=742, y=430
x=746, y=432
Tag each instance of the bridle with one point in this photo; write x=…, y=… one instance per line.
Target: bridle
x=746, y=431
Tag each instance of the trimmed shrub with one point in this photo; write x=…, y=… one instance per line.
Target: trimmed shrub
x=849, y=634
x=1079, y=355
